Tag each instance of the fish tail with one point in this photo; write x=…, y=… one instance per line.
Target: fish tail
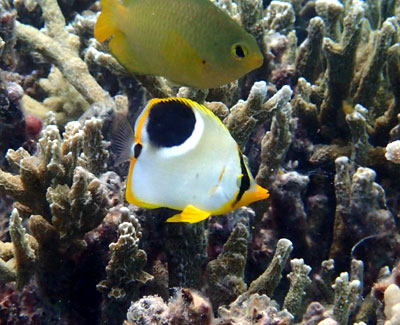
x=106, y=24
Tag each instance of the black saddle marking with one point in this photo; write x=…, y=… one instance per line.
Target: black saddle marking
x=137, y=149
x=245, y=181
x=170, y=123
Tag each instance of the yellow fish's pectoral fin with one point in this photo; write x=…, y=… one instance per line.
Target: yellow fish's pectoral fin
x=119, y=47
x=190, y=214
x=191, y=64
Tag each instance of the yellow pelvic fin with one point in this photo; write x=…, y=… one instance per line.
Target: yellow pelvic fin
x=190, y=214
x=106, y=24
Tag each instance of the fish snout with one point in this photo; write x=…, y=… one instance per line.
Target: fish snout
x=257, y=60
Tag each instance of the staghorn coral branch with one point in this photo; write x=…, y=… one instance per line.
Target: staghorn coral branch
x=346, y=294
x=276, y=142
x=12, y=186
x=309, y=52
x=340, y=66
x=330, y=11
x=268, y=281
x=225, y=273
x=25, y=257
x=71, y=65
x=246, y=115
x=371, y=73
x=299, y=282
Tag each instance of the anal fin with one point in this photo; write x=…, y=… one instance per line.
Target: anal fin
x=190, y=214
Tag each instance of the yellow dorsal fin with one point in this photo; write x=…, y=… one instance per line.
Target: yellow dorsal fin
x=106, y=24
x=190, y=214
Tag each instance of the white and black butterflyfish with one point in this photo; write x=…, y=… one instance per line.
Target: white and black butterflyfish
x=184, y=158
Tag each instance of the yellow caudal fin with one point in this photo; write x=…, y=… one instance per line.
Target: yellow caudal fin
x=190, y=214
x=106, y=23
x=261, y=193
x=249, y=197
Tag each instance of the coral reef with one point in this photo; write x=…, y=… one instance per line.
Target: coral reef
x=225, y=273
x=319, y=123
x=63, y=202
x=125, y=269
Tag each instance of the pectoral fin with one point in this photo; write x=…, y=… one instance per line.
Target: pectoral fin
x=119, y=47
x=190, y=214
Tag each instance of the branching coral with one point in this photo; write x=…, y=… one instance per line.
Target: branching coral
x=61, y=48
x=18, y=258
x=55, y=166
x=341, y=62
x=276, y=141
x=246, y=115
x=346, y=295
x=327, y=93
x=64, y=201
x=309, y=53
x=360, y=204
x=372, y=70
x=225, y=273
x=268, y=281
x=299, y=282
x=125, y=270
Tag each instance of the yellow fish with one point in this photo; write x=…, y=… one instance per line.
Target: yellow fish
x=184, y=158
x=190, y=42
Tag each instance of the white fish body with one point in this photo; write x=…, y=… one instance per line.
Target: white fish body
x=184, y=158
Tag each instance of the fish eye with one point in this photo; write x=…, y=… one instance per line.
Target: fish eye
x=239, y=52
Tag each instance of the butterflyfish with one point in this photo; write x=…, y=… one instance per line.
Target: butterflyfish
x=184, y=158
x=190, y=42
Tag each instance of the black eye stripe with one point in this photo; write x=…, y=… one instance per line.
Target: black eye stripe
x=245, y=181
x=137, y=149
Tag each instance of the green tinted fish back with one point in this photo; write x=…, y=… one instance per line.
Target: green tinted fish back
x=188, y=41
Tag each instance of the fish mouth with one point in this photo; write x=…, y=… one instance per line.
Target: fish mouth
x=258, y=60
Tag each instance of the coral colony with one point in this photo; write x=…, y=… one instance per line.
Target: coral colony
x=319, y=123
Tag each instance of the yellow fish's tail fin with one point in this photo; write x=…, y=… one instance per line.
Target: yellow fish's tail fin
x=106, y=24
x=190, y=214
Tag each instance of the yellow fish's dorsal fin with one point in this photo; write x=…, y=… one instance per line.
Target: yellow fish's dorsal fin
x=106, y=24
x=190, y=214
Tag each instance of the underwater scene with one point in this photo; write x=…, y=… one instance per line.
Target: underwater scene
x=200, y=162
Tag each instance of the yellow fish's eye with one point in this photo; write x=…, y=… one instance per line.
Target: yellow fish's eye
x=239, y=52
